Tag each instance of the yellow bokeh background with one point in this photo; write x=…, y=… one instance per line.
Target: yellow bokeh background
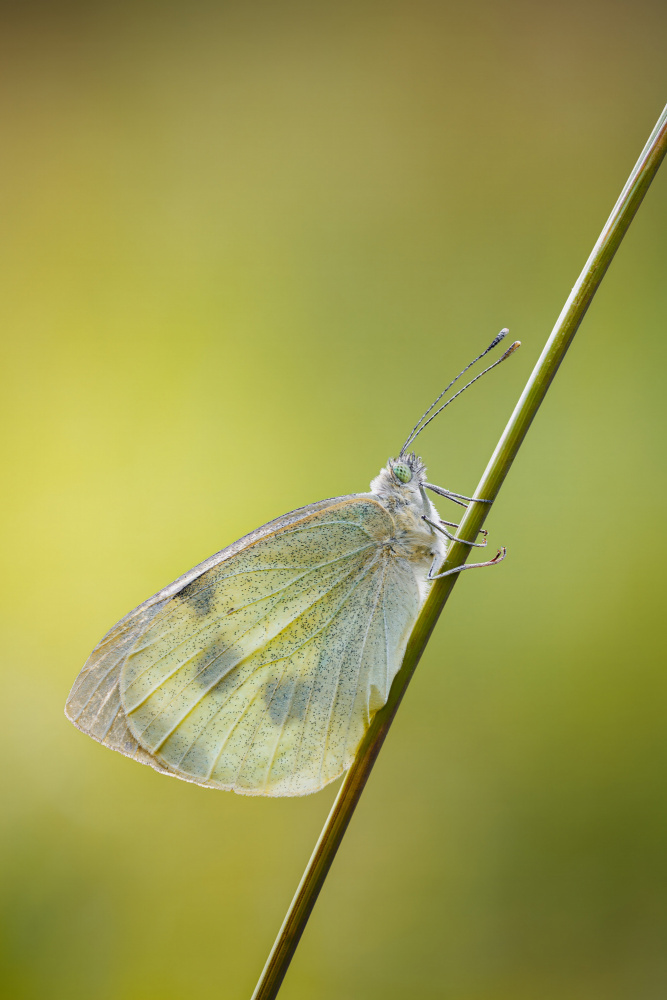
x=243, y=245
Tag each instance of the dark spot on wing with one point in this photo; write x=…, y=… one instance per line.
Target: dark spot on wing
x=288, y=697
x=199, y=596
x=215, y=665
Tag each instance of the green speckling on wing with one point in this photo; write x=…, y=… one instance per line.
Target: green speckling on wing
x=261, y=674
x=272, y=689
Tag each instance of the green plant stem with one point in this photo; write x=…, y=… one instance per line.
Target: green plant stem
x=554, y=351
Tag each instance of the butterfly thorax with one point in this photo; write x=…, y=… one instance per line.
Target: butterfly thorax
x=408, y=504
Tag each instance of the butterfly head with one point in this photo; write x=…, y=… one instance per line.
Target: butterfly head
x=401, y=476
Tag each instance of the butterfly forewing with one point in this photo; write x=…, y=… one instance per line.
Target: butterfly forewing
x=262, y=673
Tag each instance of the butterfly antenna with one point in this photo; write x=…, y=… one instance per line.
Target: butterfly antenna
x=415, y=430
x=510, y=350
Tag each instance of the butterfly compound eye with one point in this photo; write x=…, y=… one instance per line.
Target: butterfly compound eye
x=402, y=473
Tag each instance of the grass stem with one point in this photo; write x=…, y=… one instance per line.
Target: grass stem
x=536, y=388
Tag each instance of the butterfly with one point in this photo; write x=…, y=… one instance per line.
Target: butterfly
x=260, y=670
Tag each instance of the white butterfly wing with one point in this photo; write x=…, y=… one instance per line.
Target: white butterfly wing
x=260, y=670
x=94, y=704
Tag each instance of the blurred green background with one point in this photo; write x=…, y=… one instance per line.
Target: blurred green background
x=243, y=246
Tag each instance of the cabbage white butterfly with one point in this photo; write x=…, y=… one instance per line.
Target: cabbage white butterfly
x=260, y=670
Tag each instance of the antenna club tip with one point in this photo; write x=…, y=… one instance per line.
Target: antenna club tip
x=496, y=340
x=510, y=350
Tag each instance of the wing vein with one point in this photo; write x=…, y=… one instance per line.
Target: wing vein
x=340, y=670
x=282, y=730
x=349, y=719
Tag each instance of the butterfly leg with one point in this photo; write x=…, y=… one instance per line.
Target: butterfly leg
x=456, y=497
x=453, y=524
x=453, y=538
x=462, y=496
x=459, y=569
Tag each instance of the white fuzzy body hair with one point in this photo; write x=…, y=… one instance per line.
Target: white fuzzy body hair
x=414, y=540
